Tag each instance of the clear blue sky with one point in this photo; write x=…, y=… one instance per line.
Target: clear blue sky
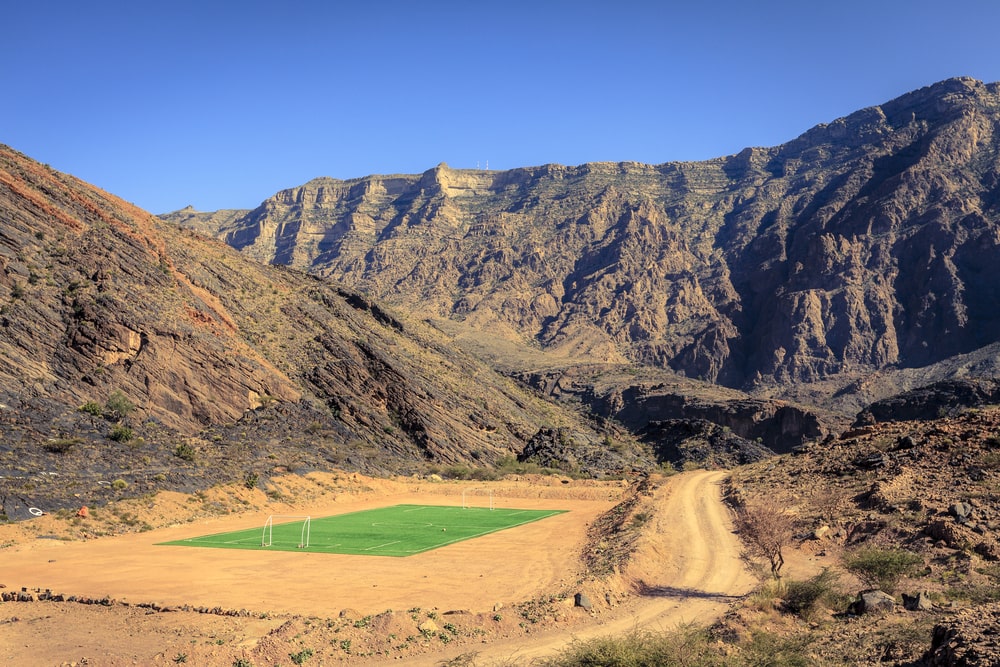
x=221, y=104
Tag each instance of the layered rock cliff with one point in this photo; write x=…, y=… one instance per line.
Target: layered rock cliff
x=863, y=244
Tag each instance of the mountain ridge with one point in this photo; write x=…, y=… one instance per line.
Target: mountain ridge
x=859, y=246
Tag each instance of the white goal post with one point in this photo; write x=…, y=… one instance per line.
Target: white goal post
x=267, y=539
x=474, y=492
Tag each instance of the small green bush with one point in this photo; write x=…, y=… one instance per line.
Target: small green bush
x=687, y=647
x=301, y=657
x=119, y=485
x=118, y=406
x=121, y=433
x=251, y=480
x=92, y=408
x=60, y=445
x=805, y=598
x=881, y=568
x=185, y=451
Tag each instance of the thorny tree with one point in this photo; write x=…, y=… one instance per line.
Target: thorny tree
x=766, y=530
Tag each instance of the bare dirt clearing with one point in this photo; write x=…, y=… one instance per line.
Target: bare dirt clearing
x=685, y=569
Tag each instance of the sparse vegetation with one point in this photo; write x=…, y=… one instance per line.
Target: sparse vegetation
x=92, y=408
x=118, y=407
x=185, y=451
x=805, y=598
x=121, y=433
x=881, y=568
x=766, y=530
x=302, y=656
x=60, y=445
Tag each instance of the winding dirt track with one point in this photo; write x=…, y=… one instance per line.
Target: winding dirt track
x=690, y=572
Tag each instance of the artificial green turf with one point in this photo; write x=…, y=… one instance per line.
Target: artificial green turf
x=400, y=530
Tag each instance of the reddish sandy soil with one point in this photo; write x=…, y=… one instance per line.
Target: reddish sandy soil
x=685, y=568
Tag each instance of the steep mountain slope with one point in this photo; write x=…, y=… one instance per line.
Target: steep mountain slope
x=861, y=245
x=195, y=364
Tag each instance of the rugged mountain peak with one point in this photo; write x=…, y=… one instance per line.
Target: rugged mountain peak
x=863, y=244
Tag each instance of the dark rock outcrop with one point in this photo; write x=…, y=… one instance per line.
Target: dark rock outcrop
x=932, y=402
x=699, y=442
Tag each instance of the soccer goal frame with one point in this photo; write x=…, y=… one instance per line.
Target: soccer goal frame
x=466, y=493
x=267, y=538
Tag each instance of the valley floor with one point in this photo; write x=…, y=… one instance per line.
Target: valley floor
x=508, y=595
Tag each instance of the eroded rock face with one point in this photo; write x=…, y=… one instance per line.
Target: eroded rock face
x=863, y=243
x=95, y=302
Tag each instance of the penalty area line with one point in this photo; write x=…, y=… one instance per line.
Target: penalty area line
x=379, y=546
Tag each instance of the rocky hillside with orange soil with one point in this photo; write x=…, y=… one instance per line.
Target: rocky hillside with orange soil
x=135, y=355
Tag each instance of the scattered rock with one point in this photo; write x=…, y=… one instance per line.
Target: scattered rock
x=919, y=602
x=820, y=532
x=581, y=600
x=961, y=511
x=873, y=602
x=966, y=640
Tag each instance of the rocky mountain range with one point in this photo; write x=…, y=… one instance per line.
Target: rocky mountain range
x=830, y=298
x=823, y=269
x=135, y=351
x=712, y=311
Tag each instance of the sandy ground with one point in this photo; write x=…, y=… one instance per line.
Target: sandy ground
x=688, y=570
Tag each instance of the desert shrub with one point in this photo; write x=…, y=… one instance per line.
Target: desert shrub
x=881, y=568
x=242, y=662
x=687, y=647
x=119, y=485
x=118, y=406
x=185, y=451
x=806, y=597
x=250, y=480
x=766, y=649
x=92, y=408
x=121, y=433
x=456, y=471
x=301, y=657
x=60, y=445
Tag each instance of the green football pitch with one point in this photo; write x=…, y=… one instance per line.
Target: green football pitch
x=400, y=530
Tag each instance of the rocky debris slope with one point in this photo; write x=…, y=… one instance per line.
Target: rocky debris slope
x=966, y=640
x=927, y=486
x=864, y=243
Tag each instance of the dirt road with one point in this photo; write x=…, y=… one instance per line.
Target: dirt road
x=689, y=571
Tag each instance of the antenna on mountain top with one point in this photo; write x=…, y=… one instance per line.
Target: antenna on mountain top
x=487, y=165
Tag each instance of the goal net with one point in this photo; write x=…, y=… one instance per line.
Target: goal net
x=286, y=529
x=469, y=494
